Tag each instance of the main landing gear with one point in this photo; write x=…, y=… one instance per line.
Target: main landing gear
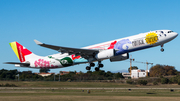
x=162, y=49
x=100, y=65
x=90, y=65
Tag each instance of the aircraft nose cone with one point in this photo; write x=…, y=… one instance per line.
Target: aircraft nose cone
x=174, y=35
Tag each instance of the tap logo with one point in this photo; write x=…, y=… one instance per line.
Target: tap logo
x=67, y=61
x=64, y=61
x=151, y=38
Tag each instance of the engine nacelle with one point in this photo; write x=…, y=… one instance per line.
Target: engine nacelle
x=120, y=57
x=105, y=54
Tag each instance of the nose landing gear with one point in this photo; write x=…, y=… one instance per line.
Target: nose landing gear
x=162, y=49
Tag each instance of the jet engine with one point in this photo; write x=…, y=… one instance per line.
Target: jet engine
x=120, y=57
x=105, y=54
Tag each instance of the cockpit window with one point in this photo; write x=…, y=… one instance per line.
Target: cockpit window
x=170, y=31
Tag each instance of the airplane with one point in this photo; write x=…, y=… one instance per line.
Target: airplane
x=115, y=50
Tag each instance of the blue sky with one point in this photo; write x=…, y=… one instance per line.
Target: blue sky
x=79, y=23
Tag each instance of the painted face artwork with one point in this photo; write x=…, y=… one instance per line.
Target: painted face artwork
x=122, y=45
x=151, y=38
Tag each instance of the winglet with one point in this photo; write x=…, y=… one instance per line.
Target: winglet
x=37, y=42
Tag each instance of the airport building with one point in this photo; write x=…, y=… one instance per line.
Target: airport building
x=137, y=73
x=126, y=75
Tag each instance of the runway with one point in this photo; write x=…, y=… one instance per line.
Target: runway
x=77, y=88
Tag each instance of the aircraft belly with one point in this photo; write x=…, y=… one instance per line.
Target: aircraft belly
x=134, y=49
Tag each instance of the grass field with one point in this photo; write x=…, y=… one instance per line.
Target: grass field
x=81, y=94
x=84, y=84
x=65, y=84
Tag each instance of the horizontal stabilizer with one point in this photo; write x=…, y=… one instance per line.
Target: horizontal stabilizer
x=20, y=64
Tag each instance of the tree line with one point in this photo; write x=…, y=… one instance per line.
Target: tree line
x=162, y=70
x=71, y=76
x=155, y=71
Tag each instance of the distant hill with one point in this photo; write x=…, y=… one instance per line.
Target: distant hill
x=123, y=70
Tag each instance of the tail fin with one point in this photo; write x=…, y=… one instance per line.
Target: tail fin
x=20, y=51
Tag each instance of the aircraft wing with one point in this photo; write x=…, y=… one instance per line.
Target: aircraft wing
x=77, y=51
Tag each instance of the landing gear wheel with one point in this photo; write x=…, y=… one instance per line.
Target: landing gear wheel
x=88, y=68
x=97, y=69
x=101, y=65
x=92, y=64
x=162, y=50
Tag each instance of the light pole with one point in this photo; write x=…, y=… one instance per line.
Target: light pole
x=54, y=76
x=59, y=75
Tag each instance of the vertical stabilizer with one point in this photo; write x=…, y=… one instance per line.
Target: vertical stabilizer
x=20, y=51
